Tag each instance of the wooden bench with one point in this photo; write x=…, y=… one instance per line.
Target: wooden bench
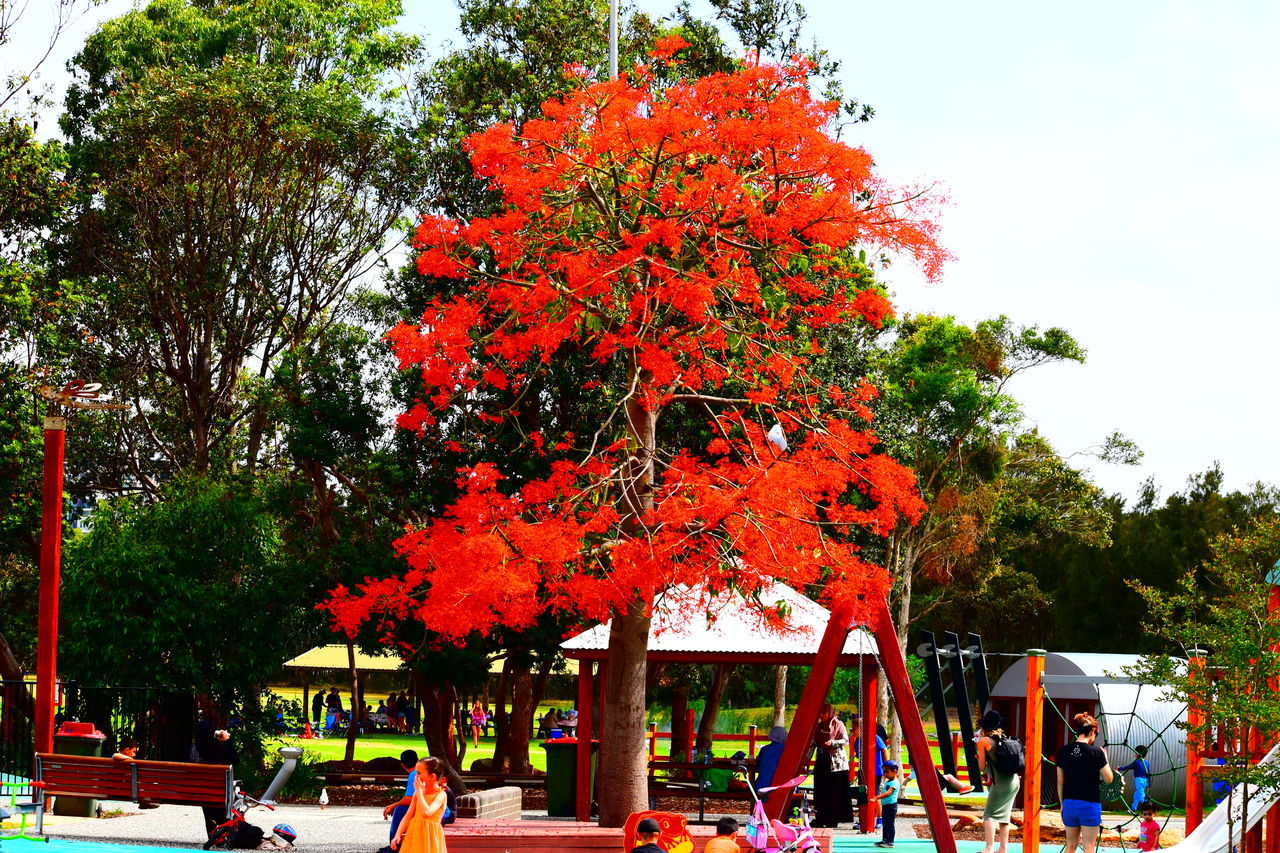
x=168, y=782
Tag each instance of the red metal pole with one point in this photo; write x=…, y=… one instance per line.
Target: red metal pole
x=582, y=794
x=867, y=758
x=1195, y=789
x=50, y=579
x=1033, y=740
x=805, y=721
x=895, y=672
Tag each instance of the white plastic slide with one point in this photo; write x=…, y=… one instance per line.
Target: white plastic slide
x=1211, y=836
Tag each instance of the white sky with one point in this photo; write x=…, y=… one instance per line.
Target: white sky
x=1112, y=169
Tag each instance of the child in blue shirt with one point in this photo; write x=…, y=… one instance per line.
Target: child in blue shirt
x=890, y=787
x=1141, y=776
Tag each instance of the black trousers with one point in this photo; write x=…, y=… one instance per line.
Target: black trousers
x=830, y=793
x=887, y=814
x=213, y=817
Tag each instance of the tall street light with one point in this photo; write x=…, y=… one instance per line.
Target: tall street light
x=76, y=394
x=613, y=39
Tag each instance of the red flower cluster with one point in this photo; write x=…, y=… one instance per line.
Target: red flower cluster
x=698, y=237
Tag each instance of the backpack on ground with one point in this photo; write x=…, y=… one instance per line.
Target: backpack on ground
x=1008, y=756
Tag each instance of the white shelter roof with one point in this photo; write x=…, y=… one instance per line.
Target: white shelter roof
x=727, y=625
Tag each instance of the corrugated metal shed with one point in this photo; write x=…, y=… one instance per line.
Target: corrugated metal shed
x=1130, y=714
x=727, y=624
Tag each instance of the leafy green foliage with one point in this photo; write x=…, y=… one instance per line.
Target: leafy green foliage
x=1152, y=543
x=243, y=166
x=994, y=487
x=193, y=591
x=1223, y=608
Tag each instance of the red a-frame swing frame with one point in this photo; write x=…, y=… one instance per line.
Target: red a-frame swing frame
x=894, y=665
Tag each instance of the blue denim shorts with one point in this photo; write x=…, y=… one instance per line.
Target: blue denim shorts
x=1081, y=813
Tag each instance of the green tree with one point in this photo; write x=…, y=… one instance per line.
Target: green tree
x=192, y=591
x=1224, y=610
x=946, y=412
x=39, y=333
x=1152, y=542
x=243, y=168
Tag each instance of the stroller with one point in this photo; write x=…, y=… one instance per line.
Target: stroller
x=236, y=833
x=787, y=838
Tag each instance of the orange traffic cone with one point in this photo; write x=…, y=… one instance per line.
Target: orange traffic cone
x=306, y=730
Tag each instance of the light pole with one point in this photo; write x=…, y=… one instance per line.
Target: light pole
x=76, y=394
x=613, y=39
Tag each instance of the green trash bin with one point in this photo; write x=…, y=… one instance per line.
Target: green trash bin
x=77, y=739
x=562, y=774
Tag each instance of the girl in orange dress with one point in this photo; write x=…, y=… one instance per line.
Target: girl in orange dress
x=421, y=830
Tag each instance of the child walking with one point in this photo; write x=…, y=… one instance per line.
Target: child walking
x=890, y=786
x=1141, y=776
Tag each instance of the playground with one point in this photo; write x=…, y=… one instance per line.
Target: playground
x=675, y=426
x=1036, y=693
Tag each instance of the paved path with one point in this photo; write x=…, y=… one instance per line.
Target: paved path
x=348, y=829
x=337, y=829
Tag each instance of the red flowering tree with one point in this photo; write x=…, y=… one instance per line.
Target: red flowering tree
x=691, y=243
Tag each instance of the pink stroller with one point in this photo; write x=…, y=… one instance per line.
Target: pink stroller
x=786, y=838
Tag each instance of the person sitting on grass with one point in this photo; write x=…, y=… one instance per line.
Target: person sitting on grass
x=647, y=832
x=726, y=840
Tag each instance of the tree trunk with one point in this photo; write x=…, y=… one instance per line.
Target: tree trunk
x=501, y=731
x=780, y=696
x=681, y=736
x=624, y=768
x=521, y=721
x=437, y=717
x=15, y=695
x=540, y=686
x=707, y=725
x=902, y=624
x=357, y=709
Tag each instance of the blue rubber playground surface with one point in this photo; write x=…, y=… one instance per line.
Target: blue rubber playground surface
x=846, y=844
x=58, y=845
x=867, y=844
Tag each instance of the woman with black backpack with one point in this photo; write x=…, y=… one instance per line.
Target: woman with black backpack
x=1002, y=787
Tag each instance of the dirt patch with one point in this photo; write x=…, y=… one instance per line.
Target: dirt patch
x=350, y=795
x=689, y=805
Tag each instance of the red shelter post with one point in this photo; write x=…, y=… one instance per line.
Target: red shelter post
x=805, y=721
x=1033, y=737
x=1195, y=719
x=582, y=794
x=867, y=756
x=50, y=582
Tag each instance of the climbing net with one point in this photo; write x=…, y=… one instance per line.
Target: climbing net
x=1125, y=731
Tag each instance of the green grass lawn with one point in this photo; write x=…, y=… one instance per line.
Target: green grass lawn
x=378, y=745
